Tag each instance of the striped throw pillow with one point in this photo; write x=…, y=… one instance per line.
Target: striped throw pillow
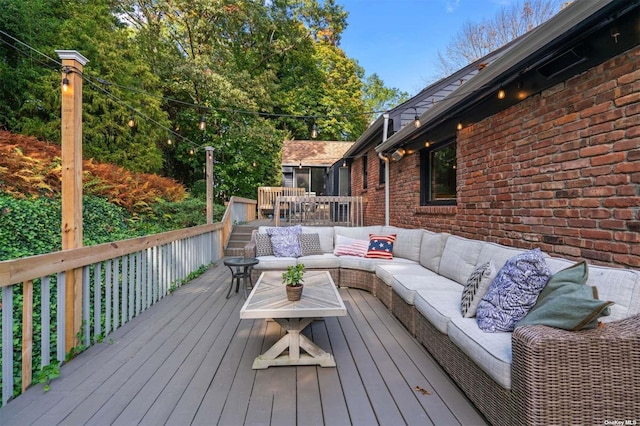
x=353, y=248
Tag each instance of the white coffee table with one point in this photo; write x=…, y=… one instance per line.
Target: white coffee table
x=268, y=299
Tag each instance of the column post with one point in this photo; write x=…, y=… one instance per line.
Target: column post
x=72, y=65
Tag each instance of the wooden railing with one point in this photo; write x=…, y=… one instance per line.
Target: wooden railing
x=267, y=197
x=321, y=210
x=239, y=210
x=120, y=280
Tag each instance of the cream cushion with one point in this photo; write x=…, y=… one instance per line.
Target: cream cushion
x=359, y=233
x=406, y=286
x=490, y=351
x=387, y=271
x=439, y=303
x=431, y=249
x=325, y=233
x=407, y=243
x=459, y=258
x=369, y=265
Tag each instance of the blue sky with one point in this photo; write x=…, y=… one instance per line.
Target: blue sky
x=400, y=39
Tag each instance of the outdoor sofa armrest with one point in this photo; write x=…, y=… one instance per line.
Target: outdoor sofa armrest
x=583, y=377
x=250, y=247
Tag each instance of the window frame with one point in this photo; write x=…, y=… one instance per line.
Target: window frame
x=426, y=173
x=365, y=171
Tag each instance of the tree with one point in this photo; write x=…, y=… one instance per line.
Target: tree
x=477, y=39
x=33, y=107
x=325, y=22
x=259, y=71
x=378, y=97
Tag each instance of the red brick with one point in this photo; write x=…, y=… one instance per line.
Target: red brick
x=600, y=192
x=611, y=180
x=595, y=150
x=627, y=167
x=613, y=224
x=628, y=99
x=575, y=164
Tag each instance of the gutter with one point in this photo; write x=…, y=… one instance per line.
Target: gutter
x=385, y=158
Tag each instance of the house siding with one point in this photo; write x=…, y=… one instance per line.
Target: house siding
x=559, y=170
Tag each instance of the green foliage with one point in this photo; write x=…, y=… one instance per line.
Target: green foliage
x=162, y=58
x=293, y=276
x=378, y=97
x=184, y=214
x=33, y=226
x=29, y=227
x=77, y=350
x=46, y=374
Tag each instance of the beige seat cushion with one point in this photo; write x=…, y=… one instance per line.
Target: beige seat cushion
x=491, y=351
x=439, y=303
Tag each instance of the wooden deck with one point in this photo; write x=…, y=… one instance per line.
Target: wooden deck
x=187, y=360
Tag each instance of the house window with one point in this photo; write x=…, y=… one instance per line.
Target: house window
x=438, y=174
x=311, y=179
x=382, y=166
x=365, y=175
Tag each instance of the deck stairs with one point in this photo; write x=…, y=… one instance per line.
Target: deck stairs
x=240, y=236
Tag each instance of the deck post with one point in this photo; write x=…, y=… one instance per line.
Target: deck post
x=209, y=163
x=72, y=65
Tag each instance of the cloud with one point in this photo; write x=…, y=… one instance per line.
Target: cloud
x=451, y=5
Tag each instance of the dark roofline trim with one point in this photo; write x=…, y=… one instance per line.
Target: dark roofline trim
x=540, y=45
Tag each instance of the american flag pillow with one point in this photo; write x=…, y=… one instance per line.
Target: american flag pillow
x=381, y=246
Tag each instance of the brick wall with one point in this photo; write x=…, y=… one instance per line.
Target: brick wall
x=559, y=171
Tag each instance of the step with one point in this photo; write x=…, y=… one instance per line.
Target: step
x=237, y=244
x=234, y=252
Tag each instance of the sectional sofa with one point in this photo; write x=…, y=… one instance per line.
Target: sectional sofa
x=534, y=375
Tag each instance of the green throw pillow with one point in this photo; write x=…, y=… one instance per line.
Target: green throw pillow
x=567, y=303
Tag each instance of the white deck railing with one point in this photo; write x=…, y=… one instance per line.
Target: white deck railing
x=120, y=280
x=320, y=210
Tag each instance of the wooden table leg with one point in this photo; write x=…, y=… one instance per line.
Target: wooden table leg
x=291, y=344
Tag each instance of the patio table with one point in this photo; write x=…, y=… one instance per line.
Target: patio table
x=240, y=269
x=268, y=300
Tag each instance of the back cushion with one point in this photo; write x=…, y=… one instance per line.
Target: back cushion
x=407, y=243
x=357, y=232
x=326, y=236
x=431, y=249
x=496, y=253
x=459, y=258
x=621, y=286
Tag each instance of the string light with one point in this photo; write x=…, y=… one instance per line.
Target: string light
x=65, y=80
x=416, y=119
x=169, y=142
x=203, y=123
x=501, y=93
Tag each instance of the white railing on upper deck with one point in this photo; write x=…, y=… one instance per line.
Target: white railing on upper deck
x=267, y=196
x=319, y=211
x=120, y=280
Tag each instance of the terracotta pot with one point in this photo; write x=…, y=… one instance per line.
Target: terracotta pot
x=294, y=293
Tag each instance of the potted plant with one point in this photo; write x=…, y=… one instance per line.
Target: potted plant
x=292, y=278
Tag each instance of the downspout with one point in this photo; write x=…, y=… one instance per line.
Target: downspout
x=385, y=132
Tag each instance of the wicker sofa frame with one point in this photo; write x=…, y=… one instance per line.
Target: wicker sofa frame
x=558, y=377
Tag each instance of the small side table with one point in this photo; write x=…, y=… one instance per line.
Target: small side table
x=240, y=268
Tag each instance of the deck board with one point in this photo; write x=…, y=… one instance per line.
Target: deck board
x=187, y=360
